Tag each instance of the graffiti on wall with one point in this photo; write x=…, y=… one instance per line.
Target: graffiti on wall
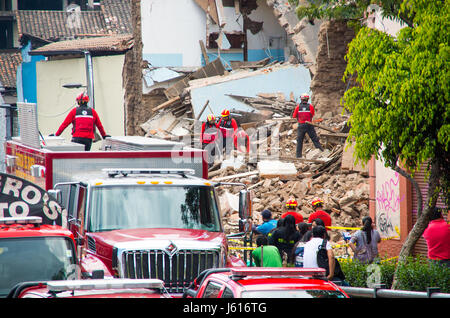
x=387, y=198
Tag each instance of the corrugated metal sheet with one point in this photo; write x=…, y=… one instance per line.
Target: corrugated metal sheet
x=421, y=245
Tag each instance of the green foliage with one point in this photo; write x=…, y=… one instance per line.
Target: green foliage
x=416, y=274
x=401, y=104
x=352, y=11
x=419, y=273
x=358, y=274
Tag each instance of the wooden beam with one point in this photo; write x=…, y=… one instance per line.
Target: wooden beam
x=168, y=103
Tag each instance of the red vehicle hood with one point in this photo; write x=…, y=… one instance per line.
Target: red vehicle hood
x=141, y=237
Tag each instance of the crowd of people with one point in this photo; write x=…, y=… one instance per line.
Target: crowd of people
x=290, y=241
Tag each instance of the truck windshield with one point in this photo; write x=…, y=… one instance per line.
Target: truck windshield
x=141, y=206
x=35, y=259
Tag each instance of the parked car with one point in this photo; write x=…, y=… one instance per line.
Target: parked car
x=263, y=282
x=92, y=288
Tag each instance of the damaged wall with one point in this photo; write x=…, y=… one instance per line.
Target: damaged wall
x=322, y=46
x=172, y=31
x=327, y=85
x=132, y=78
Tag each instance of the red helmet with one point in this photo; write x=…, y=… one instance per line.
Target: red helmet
x=317, y=201
x=225, y=113
x=291, y=203
x=210, y=118
x=82, y=98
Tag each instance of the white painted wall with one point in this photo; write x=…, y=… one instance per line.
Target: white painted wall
x=271, y=29
x=54, y=101
x=387, y=200
x=375, y=20
x=171, y=30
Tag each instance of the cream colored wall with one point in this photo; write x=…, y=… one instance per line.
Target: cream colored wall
x=54, y=101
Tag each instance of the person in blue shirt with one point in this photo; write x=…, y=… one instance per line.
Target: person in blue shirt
x=268, y=223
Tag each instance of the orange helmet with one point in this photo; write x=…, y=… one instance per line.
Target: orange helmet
x=225, y=113
x=291, y=203
x=210, y=117
x=82, y=98
x=317, y=201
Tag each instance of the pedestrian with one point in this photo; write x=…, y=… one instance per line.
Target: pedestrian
x=266, y=255
x=208, y=137
x=317, y=205
x=299, y=247
x=267, y=225
x=228, y=126
x=84, y=119
x=308, y=235
x=285, y=237
x=437, y=236
x=313, y=257
x=304, y=112
x=291, y=207
x=364, y=243
x=302, y=228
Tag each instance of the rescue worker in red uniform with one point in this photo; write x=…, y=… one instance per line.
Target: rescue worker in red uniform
x=304, y=112
x=83, y=119
x=318, y=213
x=208, y=137
x=228, y=126
x=241, y=141
x=291, y=207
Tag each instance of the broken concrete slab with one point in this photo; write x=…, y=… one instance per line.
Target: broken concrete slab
x=276, y=168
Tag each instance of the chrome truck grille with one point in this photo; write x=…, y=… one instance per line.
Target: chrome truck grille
x=177, y=270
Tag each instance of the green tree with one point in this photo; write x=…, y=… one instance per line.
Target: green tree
x=400, y=108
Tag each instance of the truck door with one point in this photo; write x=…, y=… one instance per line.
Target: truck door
x=74, y=198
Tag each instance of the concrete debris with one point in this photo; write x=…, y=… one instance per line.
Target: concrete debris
x=271, y=169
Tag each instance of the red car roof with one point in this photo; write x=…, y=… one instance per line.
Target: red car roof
x=259, y=279
x=31, y=230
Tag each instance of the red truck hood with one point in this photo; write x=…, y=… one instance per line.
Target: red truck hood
x=142, y=238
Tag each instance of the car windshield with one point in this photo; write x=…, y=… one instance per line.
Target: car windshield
x=35, y=259
x=132, y=207
x=293, y=293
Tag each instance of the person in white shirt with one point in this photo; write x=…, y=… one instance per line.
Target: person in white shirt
x=311, y=248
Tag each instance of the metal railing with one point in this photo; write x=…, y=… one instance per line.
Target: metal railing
x=382, y=292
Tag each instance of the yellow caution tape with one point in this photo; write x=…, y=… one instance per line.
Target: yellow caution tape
x=344, y=228
x=241, y=248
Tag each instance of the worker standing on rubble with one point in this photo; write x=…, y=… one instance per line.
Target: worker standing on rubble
x=208, y=137
x=241, y=141
x=291, y=207
x=228, y=126
x=84, y=119
x=304, y=112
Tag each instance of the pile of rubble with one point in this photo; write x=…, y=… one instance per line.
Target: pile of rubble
x=275, y=179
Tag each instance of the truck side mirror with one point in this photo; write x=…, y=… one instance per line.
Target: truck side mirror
x=245, y=209
x=57, y=194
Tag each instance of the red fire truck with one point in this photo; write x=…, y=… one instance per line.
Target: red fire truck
x=136, y=210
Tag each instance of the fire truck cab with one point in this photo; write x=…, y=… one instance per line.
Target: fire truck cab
x=31, y=251
x=135, y=212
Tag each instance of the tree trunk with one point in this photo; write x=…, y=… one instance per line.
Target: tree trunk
x=422, y=220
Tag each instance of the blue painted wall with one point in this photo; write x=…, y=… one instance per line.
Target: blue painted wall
x=26, y=76
x=164, y=60
x=253, y=55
